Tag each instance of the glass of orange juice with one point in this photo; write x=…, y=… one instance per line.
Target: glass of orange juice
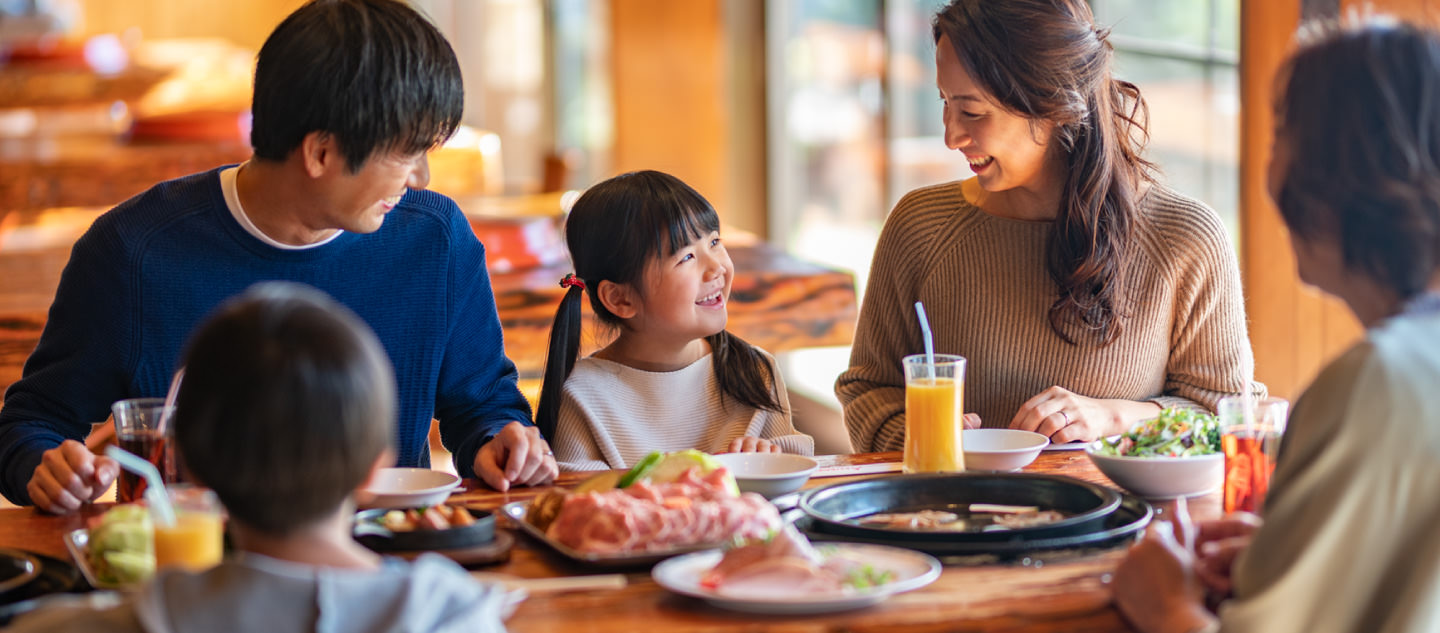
x=934, y=410
x=196, y=541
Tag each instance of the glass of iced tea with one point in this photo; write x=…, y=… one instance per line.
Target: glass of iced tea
x=934, y=413
x=1250, y=430
x=137, y=430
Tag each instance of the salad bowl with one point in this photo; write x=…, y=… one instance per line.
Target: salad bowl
x=1174, y=455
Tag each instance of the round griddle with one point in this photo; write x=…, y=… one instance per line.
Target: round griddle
x=834, y=509
x=1121, y=527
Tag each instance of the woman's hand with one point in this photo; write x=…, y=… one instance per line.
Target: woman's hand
x=748, y=444
x=1156, y=587
x=1065, y=416
x=1216, y=547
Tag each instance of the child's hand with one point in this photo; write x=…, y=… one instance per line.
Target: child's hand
x=748, y=444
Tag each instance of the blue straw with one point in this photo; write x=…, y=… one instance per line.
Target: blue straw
x=929, y=340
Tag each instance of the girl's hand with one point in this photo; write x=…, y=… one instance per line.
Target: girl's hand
x=971, y=420
x=748, y=444
x=1065, y=416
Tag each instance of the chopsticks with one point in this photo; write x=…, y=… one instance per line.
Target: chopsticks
x=565, y=583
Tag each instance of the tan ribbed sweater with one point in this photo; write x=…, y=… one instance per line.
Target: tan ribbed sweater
x=611, y=415
x=1351, y=540
x=984, y=284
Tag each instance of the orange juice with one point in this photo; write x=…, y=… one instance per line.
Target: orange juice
x=195, y=542
x=933, y=425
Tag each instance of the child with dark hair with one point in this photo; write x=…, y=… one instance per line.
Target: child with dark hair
x=287, y=409
x=647, y=251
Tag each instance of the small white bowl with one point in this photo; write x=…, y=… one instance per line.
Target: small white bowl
x=1001, y=449
x=768, y=474
x=1161, y=477
x=409, y=488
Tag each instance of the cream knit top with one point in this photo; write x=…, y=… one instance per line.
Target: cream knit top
x=1350, y=540
x=985, y=287
x=612, y=415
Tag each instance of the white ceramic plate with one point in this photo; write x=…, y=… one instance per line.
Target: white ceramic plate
x=912, y=570
x=1068, y=446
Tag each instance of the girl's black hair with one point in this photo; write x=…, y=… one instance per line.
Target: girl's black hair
x=614, y=229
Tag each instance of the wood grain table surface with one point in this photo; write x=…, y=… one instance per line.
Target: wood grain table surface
x=1070, y=595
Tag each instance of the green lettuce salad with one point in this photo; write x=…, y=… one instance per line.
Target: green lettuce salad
x=1175, y=433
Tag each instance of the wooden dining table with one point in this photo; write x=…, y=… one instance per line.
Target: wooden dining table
x=1043, y=594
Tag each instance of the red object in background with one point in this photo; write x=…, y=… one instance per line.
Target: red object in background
x=204, y=126
x=519, y=243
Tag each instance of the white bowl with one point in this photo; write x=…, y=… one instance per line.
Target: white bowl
x=1001, y=449
x=409, y=488
x=768, y=474
x=1161, y=477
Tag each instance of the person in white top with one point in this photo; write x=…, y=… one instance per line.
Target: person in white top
x=1348, y=540
x=647, y=251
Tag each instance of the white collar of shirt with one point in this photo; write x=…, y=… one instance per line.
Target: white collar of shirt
x=232, y=200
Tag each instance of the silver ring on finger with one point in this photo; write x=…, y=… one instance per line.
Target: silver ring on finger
x=1067, y=417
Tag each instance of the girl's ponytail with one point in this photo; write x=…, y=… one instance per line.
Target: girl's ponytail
x=560, y=358
x=742, y=372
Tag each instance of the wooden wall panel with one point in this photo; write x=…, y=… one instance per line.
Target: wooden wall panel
x=669, y=78
x=1424, y=11
x=1293, y=328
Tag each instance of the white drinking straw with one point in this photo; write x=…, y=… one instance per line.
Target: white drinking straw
x=155, y=493
x=168, y=410
x=929, y=341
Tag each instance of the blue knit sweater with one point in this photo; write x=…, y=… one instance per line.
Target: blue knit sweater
x=148, y=271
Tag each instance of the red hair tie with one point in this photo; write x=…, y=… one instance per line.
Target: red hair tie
x=571, y=281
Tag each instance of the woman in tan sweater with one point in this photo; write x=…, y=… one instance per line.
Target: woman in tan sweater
x=1085, y=295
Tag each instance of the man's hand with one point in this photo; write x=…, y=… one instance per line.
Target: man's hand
x=68, y=476
x=1156, y=588
x=750, y=444
x=518, y=456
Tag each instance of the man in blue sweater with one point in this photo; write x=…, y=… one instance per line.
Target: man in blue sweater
x=349, y=95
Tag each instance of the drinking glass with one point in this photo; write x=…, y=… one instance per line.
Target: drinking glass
x=934, y=413
x=196, y=541
x=1250, y=431
x=137, y=431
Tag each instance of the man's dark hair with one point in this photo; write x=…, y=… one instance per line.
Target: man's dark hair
x=287, y=401
x=374, y=74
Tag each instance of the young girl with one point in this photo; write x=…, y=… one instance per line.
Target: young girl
x=647, y=251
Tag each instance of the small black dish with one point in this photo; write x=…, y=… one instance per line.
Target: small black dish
x=371, y=532
x=56, y=576
x=17, y=569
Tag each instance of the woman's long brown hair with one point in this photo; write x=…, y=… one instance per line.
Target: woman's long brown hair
x=1046, y=60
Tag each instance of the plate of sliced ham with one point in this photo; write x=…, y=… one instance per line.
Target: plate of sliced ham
x=646, y=522
x=788, y=575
